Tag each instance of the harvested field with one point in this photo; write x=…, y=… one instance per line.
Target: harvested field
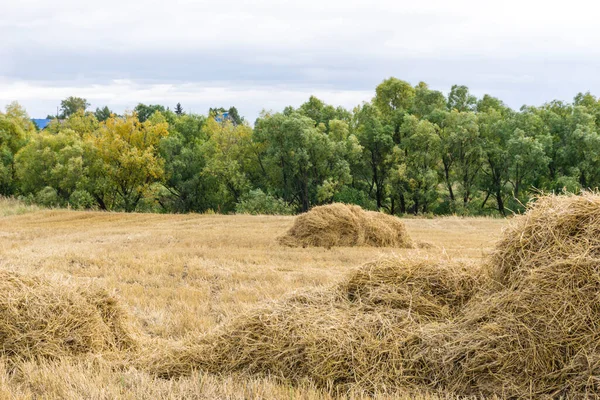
x=180, y=277
x=522, y=325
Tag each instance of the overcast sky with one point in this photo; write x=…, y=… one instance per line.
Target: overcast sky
x=272, y=53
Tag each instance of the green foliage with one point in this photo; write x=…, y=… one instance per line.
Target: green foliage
x=122, y=160
x=179, y=109
x=427, y=101
x=48, y=197
x=52, y=161
x=410, y=150
x=377, y=142
x=186, y=188
x=102, y=114
x=235, y=117
x=423, y=148
x=72, y=105
x=256, y=202
x=297, y=158
x=15, y=130
x=81, y=199
x=393, y=95
x=350, y=195
x=144, y=112
x=460, y=99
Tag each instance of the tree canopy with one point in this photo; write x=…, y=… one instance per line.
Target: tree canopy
x=411, y=149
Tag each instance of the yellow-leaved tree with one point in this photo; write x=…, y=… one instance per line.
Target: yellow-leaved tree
x=123, y=160
x=15, y=129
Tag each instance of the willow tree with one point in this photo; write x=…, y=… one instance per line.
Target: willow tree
x=124, y=161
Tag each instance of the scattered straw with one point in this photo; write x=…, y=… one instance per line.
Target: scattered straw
x=41, y=319
x=526, y=325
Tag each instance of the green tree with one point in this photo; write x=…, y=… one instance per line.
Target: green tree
x=102, y=114
x=393, y=95
x=322, y=113
x=83, y=123
x=422, y=148
x=234, y=116
x=256, y=202
x=377, y=143
x=591, y=104
x=297, y=158
x=15, y=112
x=464, y=148
x=526, y=160
x=230, y=159
x=495, y=131
x=71, y=105
x=186, y=187
x=427, y=101
x=460, y=99
x=144, y=112
x=52, y=161
x=13, y=136
x=179, y=109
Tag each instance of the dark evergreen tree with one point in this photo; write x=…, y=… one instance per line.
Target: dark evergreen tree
x=179, y=109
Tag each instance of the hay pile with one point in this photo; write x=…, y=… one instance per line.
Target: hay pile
x=357, y=334
x=346, y=225
x=540, y=333
x=429, y=289
x=524, y=325
x=41, y=319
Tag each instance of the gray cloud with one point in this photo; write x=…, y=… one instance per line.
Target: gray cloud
x=271, y=53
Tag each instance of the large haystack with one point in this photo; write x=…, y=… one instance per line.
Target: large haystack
x=554, y=228
x=430, y=289
x=525, y=326
x=346, y=225
x=540, y=333
x=41, y=319
x=537, y=337
x=361, y=333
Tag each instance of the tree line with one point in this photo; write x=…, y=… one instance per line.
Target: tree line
x=410, y=150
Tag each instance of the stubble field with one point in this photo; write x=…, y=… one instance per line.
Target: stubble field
x=180, y=276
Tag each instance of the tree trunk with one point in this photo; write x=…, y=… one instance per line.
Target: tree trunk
x=402, y=203
x=305, y=200
x=447, y=178
x=500, y=201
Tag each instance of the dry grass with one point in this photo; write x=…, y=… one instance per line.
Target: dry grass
x=180, y=276
x=10, y=206
x=346, y=225
x=431, y=289
x=41, y=319
x=538, y=333
x=524, y=325
x=357, y=335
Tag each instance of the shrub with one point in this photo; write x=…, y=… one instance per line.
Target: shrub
x=47, y=197
x=81, y=199
x=350, y=195
x=257, y=202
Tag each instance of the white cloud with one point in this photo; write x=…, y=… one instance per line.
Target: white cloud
x=506, y=28
x=260, y=51
x=120, y=95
